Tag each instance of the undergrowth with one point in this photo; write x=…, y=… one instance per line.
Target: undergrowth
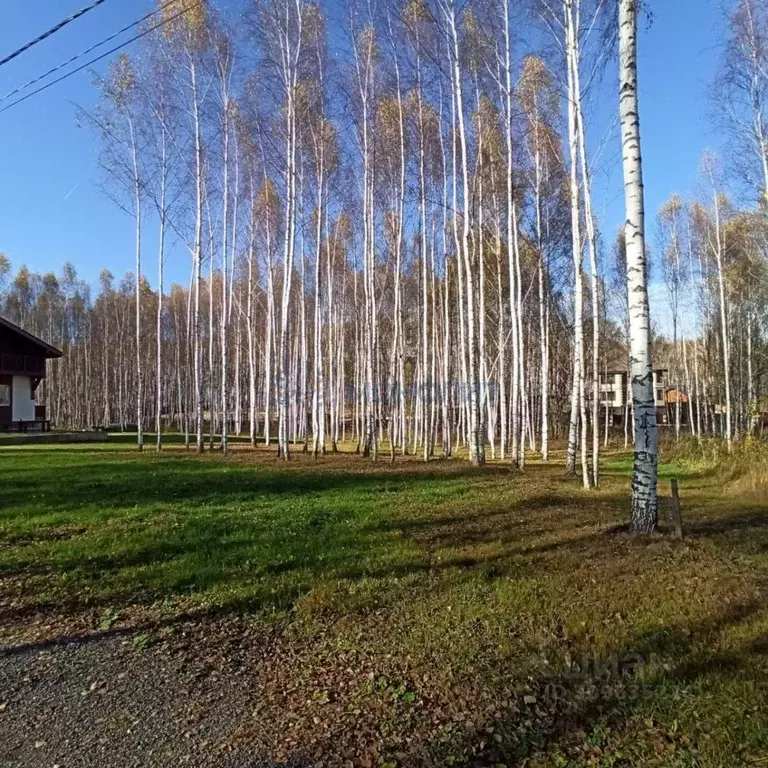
x=744, y=466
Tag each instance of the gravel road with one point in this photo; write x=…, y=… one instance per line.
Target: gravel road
x=124, y=700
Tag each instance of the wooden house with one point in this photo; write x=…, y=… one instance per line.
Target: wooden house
x=613, y=393
x=23, y=359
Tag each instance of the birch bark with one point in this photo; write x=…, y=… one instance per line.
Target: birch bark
x=644, y=500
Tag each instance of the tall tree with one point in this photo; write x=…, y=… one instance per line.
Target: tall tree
x=123, y=144
x=644, y=477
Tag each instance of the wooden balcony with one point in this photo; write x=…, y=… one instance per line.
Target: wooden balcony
x=22, y=365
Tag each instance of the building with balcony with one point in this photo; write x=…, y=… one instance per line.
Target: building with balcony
x=614, y=393
x=23, y=360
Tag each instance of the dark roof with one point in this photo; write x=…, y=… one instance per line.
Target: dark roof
x=48, y=350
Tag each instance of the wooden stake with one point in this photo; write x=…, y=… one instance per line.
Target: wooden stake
x=677, y=517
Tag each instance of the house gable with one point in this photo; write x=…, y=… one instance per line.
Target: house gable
x=22, y=353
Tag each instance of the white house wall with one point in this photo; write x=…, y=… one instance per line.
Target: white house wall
x=658, y=389
x=23, y=402
x=620, y=387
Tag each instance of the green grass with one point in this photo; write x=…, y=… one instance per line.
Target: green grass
x=476, y=594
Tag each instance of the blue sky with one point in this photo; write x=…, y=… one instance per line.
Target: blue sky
x=52, y=210
x=678, y=58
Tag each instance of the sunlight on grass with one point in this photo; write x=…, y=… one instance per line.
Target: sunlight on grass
x=486, y=584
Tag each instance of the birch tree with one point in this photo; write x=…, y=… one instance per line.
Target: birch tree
x=123, y=145
x=644, y=499
x=741, y=92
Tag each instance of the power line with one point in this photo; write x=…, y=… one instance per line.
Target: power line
x=82, y=53
x=102, y=56
x=51, y=31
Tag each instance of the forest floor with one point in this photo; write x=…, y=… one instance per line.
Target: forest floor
x=168, y=610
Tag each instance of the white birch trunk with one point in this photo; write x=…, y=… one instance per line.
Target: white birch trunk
x=592, y=243
x=198, y=259
x=162, y=213
x=137, y=213
x=476, y=444
x=644, y=500
x=511, y=235
x=725, y=341
x=576, y=246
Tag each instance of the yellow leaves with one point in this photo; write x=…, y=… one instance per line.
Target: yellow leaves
x=122, y=81
x=123, y=74
x=477, y=45
x=366, y=42
x=534, y=75
x=339, y=238
x=342, y=231
x=486, y=120
x=472, y=39
x=699, y=216
x=391, y=225
x=329, y=139
x=487, y=124
x=528, y=254
x=267, y=201
x=425, y=117
x=536, y=90
x=387, y=119
x=232, y=109
x=745, y=269
x=415, y=13
x=387, y=132
x=472, y=31
x=308, y=103
x=671, y=209
x=185, y=17
x=303, y=94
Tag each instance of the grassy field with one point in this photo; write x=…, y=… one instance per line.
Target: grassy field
x=434, y=614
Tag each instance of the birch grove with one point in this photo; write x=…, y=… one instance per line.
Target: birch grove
x=383, y=233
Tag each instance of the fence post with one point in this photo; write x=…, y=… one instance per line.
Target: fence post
x=677, y=517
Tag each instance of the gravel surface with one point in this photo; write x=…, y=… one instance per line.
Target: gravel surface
x=115, y=700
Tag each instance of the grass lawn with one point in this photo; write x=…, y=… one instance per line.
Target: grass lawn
x=418, y=614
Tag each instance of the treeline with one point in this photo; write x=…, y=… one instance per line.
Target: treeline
x=391, y=236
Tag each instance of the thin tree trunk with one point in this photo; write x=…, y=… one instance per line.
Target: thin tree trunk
x=160, y=288
x=477, y=453
x=726, y=346
x=592, y=242
x=137, y=213
x=577, y=387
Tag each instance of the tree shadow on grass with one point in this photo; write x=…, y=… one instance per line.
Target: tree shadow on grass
x=238, y=534
x=753, y=521
x=559, y=715
x=259, y=559
x=92, y=532
x=127, y=482
x=271, y=559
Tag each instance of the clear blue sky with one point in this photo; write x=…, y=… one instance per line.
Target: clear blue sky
x=52, y=210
